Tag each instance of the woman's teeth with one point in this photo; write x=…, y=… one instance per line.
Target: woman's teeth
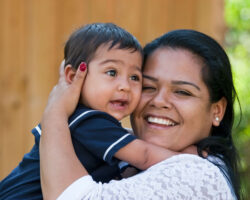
x=160, y=121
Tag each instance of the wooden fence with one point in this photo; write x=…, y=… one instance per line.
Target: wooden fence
x=32, y=36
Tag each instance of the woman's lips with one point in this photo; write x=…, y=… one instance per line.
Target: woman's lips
x=160, y=121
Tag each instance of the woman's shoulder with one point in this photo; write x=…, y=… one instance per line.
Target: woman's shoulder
x=184, y=159
x=194, y=171
x=192, y=163
x=182, y=176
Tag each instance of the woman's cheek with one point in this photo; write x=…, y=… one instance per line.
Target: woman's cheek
x=137, y=121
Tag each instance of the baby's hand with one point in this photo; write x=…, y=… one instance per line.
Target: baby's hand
x=192, y=149
x=64, y=97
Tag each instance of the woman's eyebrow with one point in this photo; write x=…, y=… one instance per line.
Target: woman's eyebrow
x=185, y=83
x=150, y=78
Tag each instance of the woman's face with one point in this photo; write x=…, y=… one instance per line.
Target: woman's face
x=174, y=111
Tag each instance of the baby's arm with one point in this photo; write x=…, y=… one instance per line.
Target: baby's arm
x=109, y=139
x=142, y=154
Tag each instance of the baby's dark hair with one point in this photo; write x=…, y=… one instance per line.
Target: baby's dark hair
x=83, y=43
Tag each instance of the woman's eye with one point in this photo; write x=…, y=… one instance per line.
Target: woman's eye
x=111, y=72
x=148, y=88
x=183, y=92
x=135, y=78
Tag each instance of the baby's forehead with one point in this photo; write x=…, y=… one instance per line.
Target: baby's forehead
x=111, y=45
x=118, y=56
x=108, y=47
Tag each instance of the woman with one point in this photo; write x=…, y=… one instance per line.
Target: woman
x=187, y=99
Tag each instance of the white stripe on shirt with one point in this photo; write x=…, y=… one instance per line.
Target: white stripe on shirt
x=112, y=145
x=81, y=116
x=38, y=130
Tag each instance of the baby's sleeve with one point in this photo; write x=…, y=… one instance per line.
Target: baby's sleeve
x=102, y=135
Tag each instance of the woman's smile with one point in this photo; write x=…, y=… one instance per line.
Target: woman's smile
x=160, y=121
x=156, y=121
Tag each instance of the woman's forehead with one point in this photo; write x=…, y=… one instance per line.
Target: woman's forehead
x=175, y=61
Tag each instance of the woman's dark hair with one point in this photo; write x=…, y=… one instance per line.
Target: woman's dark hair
x=83, y=43
x=217, y=75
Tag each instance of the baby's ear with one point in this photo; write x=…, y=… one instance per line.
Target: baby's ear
x=69, y=73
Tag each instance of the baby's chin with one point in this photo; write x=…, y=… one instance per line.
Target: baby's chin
x=118, y=116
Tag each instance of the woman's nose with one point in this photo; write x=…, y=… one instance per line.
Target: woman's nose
x=162, y=100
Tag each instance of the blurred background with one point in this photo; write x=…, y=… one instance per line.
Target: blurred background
x=32, y=38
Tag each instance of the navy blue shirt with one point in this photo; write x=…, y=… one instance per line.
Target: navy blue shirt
x=96, y=137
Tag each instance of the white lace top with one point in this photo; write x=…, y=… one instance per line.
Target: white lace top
x=182, y=177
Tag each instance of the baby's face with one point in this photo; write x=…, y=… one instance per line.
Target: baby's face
x=114, y=81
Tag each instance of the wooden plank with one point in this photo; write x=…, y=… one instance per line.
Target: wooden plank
x=12, y=86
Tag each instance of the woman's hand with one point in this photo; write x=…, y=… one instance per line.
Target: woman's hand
x=64, y=97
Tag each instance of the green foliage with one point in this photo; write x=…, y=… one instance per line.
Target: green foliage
x=237, y=16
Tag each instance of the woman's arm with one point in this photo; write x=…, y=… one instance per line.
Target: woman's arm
x=60, y=159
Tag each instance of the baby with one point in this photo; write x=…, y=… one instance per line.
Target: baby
x=111, y=92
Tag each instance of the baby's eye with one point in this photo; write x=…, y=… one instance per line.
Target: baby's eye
x=111, y=72
x=135, y=78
